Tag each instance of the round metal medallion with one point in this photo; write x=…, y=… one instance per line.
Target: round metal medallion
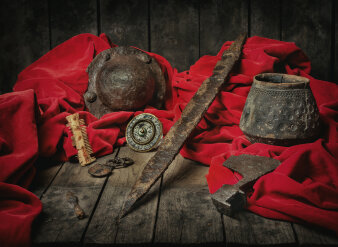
x=144, y=132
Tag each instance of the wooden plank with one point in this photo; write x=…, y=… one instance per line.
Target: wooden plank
x=221, y=21
x=174, y=31
x=46, y=172
x=308, y=24
x=24, y=37
x=70, y=18
x=58, y=223
x=246, y=228
x=315, y=236
x=126, y=22
x=265, y=18
x=135, y=228
x=186, y=214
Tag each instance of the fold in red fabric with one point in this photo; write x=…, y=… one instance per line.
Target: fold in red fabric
x=18, y=152
x=302, y=189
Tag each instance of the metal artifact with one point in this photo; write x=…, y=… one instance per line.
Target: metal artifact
x=80, y=139
x=103, y=170
x=99, y=170
x=230, y=199
x=123, y=78
x=144, y=132
x=73, y=200
x=191, y=116
x=280, y=110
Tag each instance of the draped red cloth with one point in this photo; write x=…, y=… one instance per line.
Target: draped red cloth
x=302, y=189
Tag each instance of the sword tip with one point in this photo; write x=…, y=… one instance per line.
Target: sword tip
x=122, y=214
x=128, y=204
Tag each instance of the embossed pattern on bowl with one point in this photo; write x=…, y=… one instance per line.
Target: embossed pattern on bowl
x=280, y=109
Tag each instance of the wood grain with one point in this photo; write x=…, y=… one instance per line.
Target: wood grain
x=46, y=172
x=308, y=24
x=126, y=22
x=186, y=214
x=70, y=18
x=174, y=31
x=58, y=223
x=265, y=18
x=135, y=228
x=221, y=21
x=246, y=228
x=310, y=236
x=24, y=37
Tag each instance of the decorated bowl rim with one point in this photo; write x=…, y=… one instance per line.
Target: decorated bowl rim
x=281, y=81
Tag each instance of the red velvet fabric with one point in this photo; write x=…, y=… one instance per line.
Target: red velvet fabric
x=18, y=151
x=304, y=185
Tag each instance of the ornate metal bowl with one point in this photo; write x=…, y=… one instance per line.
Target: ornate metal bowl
x=280, y=110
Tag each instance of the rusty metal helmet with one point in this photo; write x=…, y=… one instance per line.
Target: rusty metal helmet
x=123, y=78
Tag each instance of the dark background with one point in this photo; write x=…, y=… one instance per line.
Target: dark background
x=180, y=30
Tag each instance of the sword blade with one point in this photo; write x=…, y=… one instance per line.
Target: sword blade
x=180, y=131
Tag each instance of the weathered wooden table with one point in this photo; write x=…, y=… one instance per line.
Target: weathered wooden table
x=177, y=211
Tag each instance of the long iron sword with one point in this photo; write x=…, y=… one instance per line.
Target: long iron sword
x=180, y=131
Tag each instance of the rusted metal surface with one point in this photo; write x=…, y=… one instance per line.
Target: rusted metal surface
x=73, y=200
x=123, y=78
x=280, y=110
x=191, y=116
x=230, y=199
x=103, y=170
x=99, y=170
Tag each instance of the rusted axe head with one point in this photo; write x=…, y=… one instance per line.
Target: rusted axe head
x=232, y=198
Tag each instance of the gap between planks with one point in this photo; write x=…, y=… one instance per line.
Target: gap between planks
x=186, y=215
x=240, y=230
x=44, y=177
x=97, y=202
x=57, y=224
x=314, y=236
x=136, y=227
x=51, y=181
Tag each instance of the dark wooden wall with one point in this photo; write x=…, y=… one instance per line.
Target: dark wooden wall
x=180, y=30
